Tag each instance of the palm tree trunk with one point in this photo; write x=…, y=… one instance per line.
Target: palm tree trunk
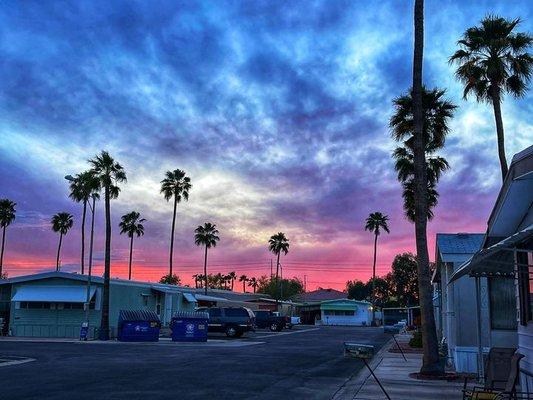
x=172, y=235
x=496, y=104
x=374, y=279
x=131, y=254
x=59, y=251
x=277, y=283
x=104, y=324
x=2, y=251
x=82, y=263
x=430, y=364
x=244, y=286
x=205, y=270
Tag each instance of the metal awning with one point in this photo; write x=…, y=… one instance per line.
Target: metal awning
x=53, y=294
x=189, y=297
x=203, y=297
x=496, y=260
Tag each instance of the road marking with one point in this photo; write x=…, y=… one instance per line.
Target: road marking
x=286, y=333
x=5, y=362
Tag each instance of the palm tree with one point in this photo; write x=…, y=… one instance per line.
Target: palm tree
x=430, y=361
x=276, y=244
x=195, y=277
x=109, y=174
x=493, y=60
x=243, y=279
x=232, y=277
x=131, y=224
x=374, y=223
x=61, y=222
x=176, y=186
x=7, y=216
x=253, y=283
x=206, y=235
x=82, y=187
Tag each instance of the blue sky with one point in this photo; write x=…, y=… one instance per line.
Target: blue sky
x=277, y=110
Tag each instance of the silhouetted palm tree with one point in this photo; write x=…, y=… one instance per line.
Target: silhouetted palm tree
x=131, y=224
x=109, y=173
x=243, y=279
x=206, y=235
x=253, y=283
x=277, y=244
x=176, y=186
x=7, y=216
x=375, y=222
x=430, y=362
x=493, y=60
x=82, y=187
x=232, y=276
x=437, y=113
x=61, y=222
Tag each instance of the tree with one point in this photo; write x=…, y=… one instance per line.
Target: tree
x=374, y=223
x=430, y=361
x=7, y=216
x=493, y=60
x=243, y=279
x=252, y=282
x=109, y=174
x=170, y=279
x=196, y=278
x=232, y=276
x=437, y=112
x=404, y=279
x=61, y=222
x=357, y=290
x=82, y=187
x=270, y=286
x=206, y=235
x=131, y=224
x=176, y=186
x=277, y=244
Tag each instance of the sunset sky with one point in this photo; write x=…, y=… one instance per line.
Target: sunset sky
x=277, y=110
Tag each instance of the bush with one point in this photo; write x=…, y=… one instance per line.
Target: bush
x=416, y=340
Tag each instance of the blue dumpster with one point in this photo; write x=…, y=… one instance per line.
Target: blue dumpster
x=138, y=326
x=189, y=326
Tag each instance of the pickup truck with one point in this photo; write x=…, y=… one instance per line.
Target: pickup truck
x=268, y=319
x=233, y=321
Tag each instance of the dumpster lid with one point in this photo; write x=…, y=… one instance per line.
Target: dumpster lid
x=138, y=315
x=191, y=315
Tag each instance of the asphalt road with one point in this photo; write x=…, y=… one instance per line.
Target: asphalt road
x=306, y=364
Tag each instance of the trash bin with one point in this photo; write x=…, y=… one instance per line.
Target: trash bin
x=189, y=326
x=138, y=326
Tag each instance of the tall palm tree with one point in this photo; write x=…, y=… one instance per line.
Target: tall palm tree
x=131, y=224
x=176, y=186
x=277, y=244
x=61, y=222
x=206, y=235
x=493, y=60
x=430, y=361
x=109, y=173
x=243, y=279
x=7, y=216
x=253, y=283
x=375, y=222
x=232, y=277
x=82, y=187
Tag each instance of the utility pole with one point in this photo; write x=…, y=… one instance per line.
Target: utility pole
x=281, y=273
x=305, y=283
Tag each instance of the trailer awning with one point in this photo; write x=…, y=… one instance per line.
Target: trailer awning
x=53, y=294
x=189, y=297
x=496, y=260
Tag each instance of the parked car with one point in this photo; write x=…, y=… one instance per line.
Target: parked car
x=294, y=321
x=233, y=321
x=270, y=320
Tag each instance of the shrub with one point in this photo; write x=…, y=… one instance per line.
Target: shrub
x=416, y=340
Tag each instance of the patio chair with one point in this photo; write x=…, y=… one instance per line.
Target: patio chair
x=493, y=390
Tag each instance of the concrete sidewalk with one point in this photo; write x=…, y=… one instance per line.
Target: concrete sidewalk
x=393, y=372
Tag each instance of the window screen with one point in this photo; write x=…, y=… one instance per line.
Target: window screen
x=502, y=303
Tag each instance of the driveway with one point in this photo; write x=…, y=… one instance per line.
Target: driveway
x=306, y=363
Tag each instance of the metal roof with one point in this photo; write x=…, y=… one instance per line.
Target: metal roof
x=450, y=244
x=49, y=294
x=189, y=297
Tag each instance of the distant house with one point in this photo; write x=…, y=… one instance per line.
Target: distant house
x=321, y=295
x=506, y=261
x=51, y=304
x=345, y=312
x=455, y=303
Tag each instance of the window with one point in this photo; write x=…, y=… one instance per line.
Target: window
x=34, y=305
x=236, y=312
x=525, y=286
x=502, y=303
x=214, y=312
